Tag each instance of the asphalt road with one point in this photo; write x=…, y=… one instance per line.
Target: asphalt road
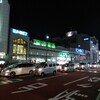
x=78, y=85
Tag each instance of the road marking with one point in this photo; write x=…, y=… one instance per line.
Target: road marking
x=7, y=81
x=98, y=97
x=86, y=85
x=30, y=87
x=94, y=79
x=65, y=95
x=51, y=77
x=76, y=80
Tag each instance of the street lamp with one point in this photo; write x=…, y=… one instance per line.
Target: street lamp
x=47, y=38
x=71, y=33
x=70, y=36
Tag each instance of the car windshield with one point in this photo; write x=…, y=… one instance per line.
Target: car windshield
x=40, y=64
x=8, y=66
x=94, y=63
x=82, y=63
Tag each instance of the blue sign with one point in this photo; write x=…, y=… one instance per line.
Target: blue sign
x=15, y=31
x=79, y=51
x=85, y=39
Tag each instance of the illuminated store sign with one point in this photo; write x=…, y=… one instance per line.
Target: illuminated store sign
x=64, y=54
x=0, y=1
x=86, y=39
x=91, y=42
x=43, y=43
x=79, y=51
x=15, y=31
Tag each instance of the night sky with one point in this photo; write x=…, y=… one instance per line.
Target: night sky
x=39, y=17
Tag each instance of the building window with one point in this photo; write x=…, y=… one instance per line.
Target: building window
x=19, y=49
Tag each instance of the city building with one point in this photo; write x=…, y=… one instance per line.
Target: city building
x=84, y=46
x=18, y=45
x=94, y=49
x=4, y=27
x=21, y=48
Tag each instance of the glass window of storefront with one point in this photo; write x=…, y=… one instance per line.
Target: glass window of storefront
x=19, y=49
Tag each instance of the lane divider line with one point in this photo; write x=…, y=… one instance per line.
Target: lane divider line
x=76, y=80
x=51, y=77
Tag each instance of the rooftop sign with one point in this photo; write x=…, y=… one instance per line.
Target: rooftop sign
x=43, y=43
x=15, y=31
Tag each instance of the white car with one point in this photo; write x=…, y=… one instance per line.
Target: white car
x=17, y=69
x=68, y=68
x=44, y=68
x=82, y=66
x=94, y=65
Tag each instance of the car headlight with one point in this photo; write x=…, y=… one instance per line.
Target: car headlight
x=65, y=68
x=90, y=65
x=60, y=67
x=7, y=71
x=95, y=66
x=82, y=66
x=40, y=69
x=33, y=69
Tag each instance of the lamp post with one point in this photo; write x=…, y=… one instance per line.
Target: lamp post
x=70, y=34
x=47, y=38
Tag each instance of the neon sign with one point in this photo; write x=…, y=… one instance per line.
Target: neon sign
x=43, y=43
x=15, y=31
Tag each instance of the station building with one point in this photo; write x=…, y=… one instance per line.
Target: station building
x=17, y=46
x=21, y=48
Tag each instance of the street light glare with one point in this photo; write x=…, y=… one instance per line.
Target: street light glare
x=47, y=37
x=69, y=34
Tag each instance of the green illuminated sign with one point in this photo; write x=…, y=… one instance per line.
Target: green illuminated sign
x=43, y=43
x=53, y=45
x=49, y=44
x=64, y=54
x=36, y=42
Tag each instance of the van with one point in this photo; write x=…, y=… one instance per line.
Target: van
x=17, y=69
x=44, y=68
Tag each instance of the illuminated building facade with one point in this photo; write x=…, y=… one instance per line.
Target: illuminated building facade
x=41, y=51
x=94, y=49
x=4, y=26
x=18, y=45
x=22, y=49
x=85, y=46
